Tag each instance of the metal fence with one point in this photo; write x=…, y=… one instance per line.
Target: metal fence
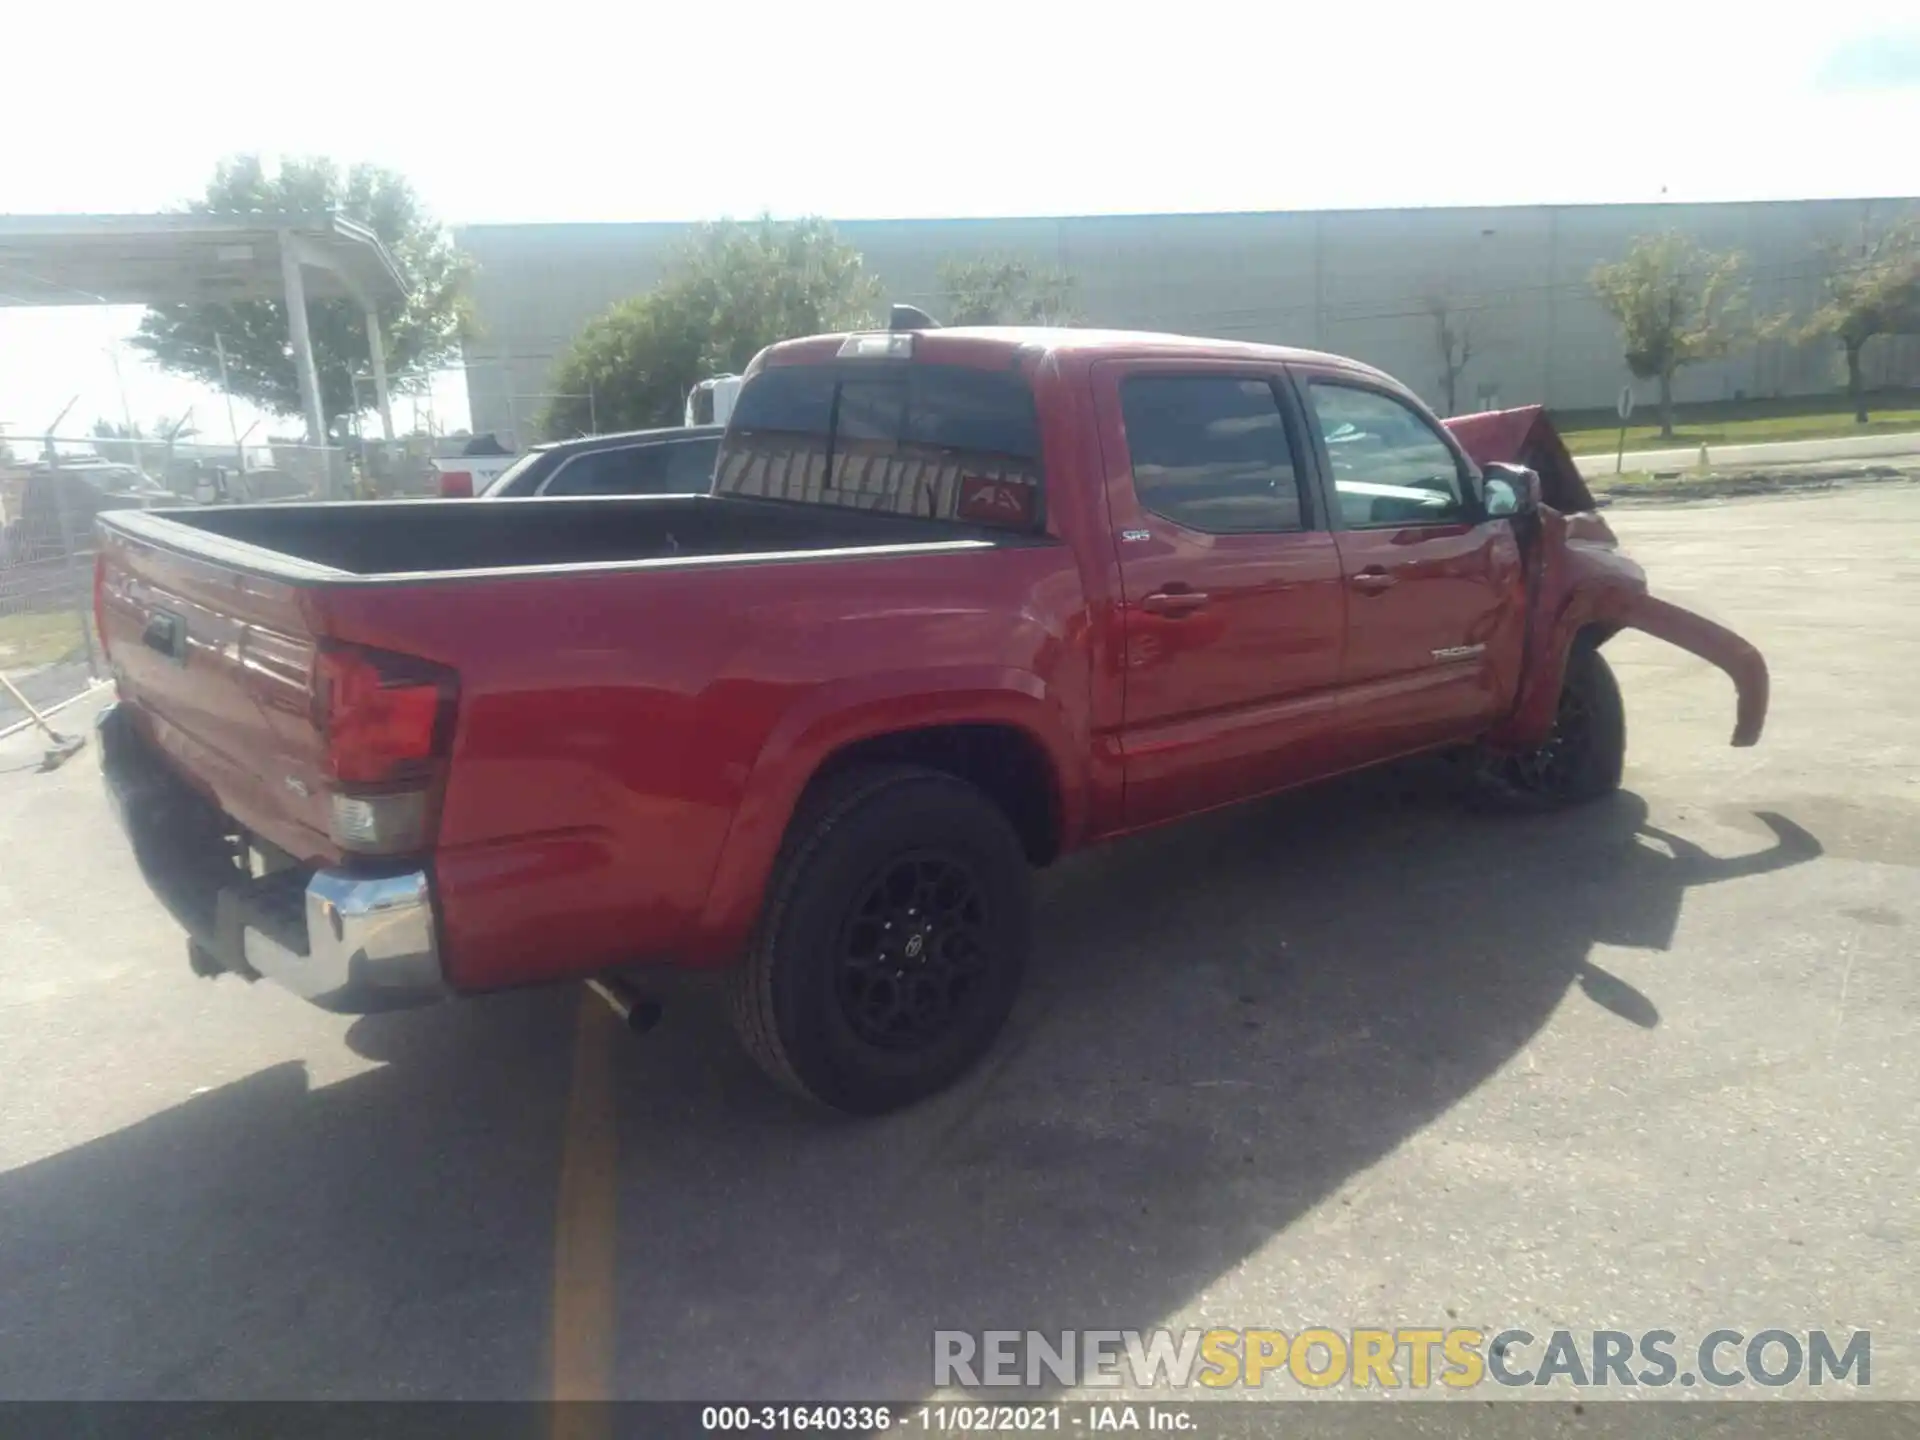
x=48, y=508
x=48, y=648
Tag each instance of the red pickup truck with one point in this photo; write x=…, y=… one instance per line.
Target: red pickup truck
x=958, y=602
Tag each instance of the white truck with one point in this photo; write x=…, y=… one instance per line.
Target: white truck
x=711, y=401
x=461, y=477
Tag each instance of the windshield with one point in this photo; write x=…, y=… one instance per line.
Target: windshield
x=936, y=441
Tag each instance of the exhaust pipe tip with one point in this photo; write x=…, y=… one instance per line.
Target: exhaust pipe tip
x=639, y=1013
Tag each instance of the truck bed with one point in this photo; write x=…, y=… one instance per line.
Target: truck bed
x=420, y=537
x=622, y=666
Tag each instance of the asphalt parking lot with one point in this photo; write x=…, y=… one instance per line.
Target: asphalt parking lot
x=1349, y=1058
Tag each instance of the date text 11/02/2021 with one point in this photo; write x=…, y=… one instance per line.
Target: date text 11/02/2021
x=943, y=1419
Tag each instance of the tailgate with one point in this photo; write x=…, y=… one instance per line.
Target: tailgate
x=219, y=665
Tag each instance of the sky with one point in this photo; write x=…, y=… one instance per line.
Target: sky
x=602, y=112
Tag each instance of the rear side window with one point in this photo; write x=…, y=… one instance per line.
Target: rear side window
x=1210, y=452
x=507, y=482
x=937, y=441
x=631, y=470
x=690, y=465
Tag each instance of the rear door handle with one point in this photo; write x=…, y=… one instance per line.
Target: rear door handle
x=1374, y=580
x=1173, y=603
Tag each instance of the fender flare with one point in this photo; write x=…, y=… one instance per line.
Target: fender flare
x=835, y=716
x=1715, y=644
x=1617, y=607
x=1544, y=671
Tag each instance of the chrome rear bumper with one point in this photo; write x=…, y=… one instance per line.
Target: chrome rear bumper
x=346, y=942
x=368, y=944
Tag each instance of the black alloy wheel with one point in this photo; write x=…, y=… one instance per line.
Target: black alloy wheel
x=1584, y=754
x=914, y=945
x=893, y=941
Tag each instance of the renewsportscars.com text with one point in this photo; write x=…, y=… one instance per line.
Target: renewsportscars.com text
x=1401, y=1358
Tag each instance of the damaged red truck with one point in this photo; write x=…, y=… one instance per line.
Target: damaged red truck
x=959, y=602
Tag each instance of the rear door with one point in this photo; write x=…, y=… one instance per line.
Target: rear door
x=1433, y=586
x=1234, y=607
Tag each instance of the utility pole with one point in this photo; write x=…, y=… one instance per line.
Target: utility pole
x=226, y=391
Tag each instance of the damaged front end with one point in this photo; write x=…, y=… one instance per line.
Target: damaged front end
x=1582, y=590
x=1715, y=644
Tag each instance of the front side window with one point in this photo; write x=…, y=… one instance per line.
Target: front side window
x=1210, y=452
x=1389, y=467
x=938, y=441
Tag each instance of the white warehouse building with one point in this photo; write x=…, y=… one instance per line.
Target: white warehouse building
x=1357, y=282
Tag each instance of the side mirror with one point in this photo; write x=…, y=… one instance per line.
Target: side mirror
x=1510, y=490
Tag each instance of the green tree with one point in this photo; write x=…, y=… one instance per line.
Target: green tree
x=1871, y=289
x=1676, y=304
x=420, y=332
x=629, y=369
x=731, y=291
x=1001, y=290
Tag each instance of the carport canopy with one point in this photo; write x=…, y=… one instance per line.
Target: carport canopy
x=199, y=259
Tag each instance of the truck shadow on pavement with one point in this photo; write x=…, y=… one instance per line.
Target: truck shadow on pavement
x=1226, y=1024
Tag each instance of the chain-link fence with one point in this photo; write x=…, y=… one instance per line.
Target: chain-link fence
x=48, y=509
x=48, y=649
x=47, y=646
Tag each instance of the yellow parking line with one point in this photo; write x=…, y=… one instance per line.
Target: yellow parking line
x=584, y=1227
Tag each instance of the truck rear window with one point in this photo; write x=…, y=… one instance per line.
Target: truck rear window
x=936, y=441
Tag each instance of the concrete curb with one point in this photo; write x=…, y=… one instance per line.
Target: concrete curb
x=1813, y=479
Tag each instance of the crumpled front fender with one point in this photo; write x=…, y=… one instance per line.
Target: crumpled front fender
x=1585, y=584
x=1582, y=580
x=1715, y=644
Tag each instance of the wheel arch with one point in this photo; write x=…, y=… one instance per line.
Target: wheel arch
x=1001, y=730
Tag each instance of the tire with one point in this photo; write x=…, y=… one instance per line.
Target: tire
x=831, y=1001
x=1581, y=760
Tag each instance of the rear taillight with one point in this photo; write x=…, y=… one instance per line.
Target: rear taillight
x=456, y=484
x=386, y=721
